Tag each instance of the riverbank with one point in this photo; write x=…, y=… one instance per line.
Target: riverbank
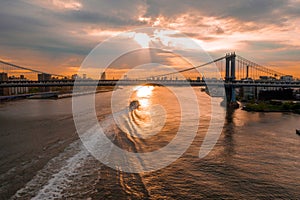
x=273, y=106
x=52, y=94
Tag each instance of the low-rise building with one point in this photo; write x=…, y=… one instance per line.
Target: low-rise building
x=4, y=91
x=74, y=76
x=44, y=77
x=17, y=90
x=247, y=93
x=287, y=78
x=12, y=90
x=3, y=77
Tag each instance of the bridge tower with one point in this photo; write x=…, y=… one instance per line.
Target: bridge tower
x=230, y=77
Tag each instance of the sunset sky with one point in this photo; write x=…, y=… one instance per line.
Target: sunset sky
x=55, y=35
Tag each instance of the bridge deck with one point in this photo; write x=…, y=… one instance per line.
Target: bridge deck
x=60, y=83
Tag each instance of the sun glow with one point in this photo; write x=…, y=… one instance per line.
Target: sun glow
x=144, y=91
x=142, y=39
x=144, y=19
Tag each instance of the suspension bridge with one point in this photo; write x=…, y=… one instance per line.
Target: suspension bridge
x=231, y=71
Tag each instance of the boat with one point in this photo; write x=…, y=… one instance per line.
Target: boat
x=135, y=104
x=298, y=131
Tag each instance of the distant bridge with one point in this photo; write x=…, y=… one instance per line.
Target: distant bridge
x=232, y=71
x=230, y=66
x=67, y=82
x=26, y=69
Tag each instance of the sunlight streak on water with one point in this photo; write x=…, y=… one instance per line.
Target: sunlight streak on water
x=144, y=91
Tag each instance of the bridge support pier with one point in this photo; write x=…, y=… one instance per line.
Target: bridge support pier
x=233, y=95
x=229, y=78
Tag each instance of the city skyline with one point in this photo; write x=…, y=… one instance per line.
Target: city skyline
x=55, y=36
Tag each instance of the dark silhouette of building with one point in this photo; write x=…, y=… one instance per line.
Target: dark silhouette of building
x=4, y=91
x=44, y=77
x=282, y=94
x=103, y=76
x=3, y=76
x=74, y=76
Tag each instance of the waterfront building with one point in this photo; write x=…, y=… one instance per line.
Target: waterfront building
x=250, y=93
x=247, y=93
x=74, y=76
x=266, y=79
x=4, y=91
x=287, y=78
x=44, y=77
x=17, y=90
x=3, y=76
x=12, y=90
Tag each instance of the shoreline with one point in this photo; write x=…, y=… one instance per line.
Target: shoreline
x=273, y=106
x=49, y=95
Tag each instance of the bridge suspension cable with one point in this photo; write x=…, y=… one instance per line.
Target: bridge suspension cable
x=260, y=67
x=244, y=67
x=188, y=69
x=29, y=69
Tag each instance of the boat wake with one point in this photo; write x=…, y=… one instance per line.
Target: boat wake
x=75, y=172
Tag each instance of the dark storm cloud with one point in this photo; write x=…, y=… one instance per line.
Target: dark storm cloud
x=273, y=49
x=260, y=11
x=37, y=27
x=24, y=25
x=23, y=22
x=105, y=13
x=98, y=19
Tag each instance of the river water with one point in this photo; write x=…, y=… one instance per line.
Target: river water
x=256, y=157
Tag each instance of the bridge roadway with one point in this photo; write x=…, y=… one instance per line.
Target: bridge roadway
x=64, y=82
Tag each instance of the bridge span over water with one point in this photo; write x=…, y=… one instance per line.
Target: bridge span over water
x=233, y=71
x=177, y=83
